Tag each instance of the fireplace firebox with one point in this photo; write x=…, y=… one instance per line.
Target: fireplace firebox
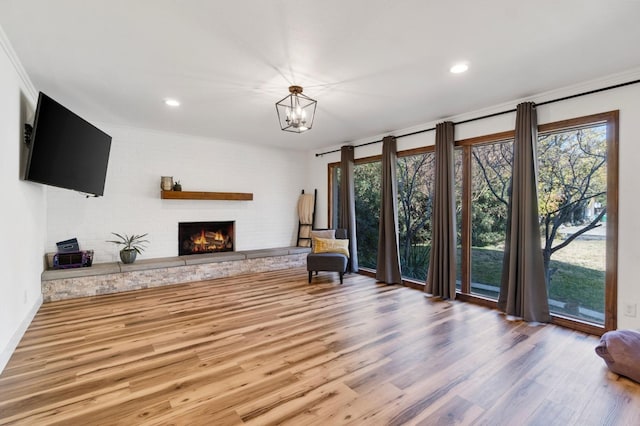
x=205, y=237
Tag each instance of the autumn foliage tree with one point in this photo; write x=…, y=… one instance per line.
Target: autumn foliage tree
x=572, y=177
x=571, y=182
x=571, y=192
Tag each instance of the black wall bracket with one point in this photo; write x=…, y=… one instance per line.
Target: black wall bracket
x=28, y=131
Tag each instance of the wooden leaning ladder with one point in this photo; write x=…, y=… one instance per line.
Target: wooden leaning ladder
x=304, y=229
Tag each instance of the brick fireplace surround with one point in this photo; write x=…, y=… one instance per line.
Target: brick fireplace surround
x=105, y=278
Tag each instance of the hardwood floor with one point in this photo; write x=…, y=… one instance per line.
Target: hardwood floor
x=271, y=349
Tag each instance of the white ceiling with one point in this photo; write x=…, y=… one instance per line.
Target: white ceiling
x=373, y=65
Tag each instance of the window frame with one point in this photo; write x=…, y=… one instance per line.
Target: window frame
x=611, y=120
x=408, y=281
x=467, y=163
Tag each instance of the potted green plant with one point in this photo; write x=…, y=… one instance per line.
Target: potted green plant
x=133, y=244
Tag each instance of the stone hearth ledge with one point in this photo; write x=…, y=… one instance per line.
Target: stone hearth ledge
x=106, y=278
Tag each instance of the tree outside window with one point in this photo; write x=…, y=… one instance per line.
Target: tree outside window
x=367, y=179
x=416, y=180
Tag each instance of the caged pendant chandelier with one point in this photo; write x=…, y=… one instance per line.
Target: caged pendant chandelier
x=296, y=111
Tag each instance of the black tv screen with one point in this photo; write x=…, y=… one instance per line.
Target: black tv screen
x=66, y=151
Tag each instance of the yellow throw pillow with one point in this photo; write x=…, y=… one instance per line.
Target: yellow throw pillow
x=325, y=245
x=323, y=233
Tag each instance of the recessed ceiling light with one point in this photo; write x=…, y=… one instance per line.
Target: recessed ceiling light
x=459, y=68
x=172, y=102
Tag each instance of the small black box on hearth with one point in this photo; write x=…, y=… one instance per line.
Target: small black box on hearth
x=68, y=246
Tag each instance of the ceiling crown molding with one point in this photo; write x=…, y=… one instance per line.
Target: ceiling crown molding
x=17, y=65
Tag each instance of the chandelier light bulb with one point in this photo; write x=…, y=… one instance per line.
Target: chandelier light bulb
x=296, y=111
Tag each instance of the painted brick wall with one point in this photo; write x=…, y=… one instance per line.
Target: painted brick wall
x=132, y=204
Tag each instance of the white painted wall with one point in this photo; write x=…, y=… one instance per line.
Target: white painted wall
x=132, y=204
x=22, y=211
x=626, y=99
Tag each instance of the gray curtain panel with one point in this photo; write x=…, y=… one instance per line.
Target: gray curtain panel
x=388, y=266
x=347, y=214
x=523, y=290
x=441, y=278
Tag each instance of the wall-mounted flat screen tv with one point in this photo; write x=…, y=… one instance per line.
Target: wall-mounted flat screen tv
x=66, y=151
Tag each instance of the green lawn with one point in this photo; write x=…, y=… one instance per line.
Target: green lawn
x=569, y=282
x=577, y=271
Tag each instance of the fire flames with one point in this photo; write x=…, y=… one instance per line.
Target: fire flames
x=209, y=241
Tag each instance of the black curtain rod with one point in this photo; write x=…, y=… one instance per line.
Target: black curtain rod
x=590, y=92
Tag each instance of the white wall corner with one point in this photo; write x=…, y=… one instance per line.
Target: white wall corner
x=7, y=351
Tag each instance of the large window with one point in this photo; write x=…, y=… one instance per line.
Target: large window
x=490, y=179
x=416, y=179
x=574, y=200
x=367, y=177
x=578, y=179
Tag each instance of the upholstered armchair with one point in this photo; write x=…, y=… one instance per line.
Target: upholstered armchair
x=326, y=256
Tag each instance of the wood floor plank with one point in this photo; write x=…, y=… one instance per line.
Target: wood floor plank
x=270, y=348
x=363, y=409
x=455, y=410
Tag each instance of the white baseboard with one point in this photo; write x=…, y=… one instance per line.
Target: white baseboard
x=7, y=351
